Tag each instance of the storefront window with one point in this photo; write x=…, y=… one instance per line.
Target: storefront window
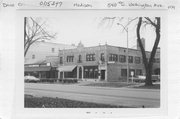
x=138, y=72
x=91, y=72
x=123, y=72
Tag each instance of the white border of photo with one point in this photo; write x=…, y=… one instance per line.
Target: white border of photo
x=19, y=112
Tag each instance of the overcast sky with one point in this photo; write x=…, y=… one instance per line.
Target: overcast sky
x=73, y=27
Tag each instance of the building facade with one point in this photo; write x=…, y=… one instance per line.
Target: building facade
x=43, y=69
x=103, y=62
x=42, y=59
x=41, y=49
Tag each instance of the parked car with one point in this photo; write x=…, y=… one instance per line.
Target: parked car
x=139, y=79
x=32, y=79
x=156, y=78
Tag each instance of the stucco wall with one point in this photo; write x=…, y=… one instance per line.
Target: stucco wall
x=43, y=49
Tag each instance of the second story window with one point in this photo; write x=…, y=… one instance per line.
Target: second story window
x=122, y=58
x=156, y=60
x=90, y=57
x=61, y=60
x=130, y=59
x=137, y=60
x=79, y=59
x=113, y=57
x=33, y=56
x=69, y=58
x=102, y=57
x=52, y=50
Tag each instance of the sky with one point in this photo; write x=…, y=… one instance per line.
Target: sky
x=73, y=27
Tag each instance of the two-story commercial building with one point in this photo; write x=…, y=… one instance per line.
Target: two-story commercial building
x=103, y=62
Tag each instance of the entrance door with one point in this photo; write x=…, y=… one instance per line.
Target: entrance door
x=61, y=75
x=80, y=73
x=102, y=74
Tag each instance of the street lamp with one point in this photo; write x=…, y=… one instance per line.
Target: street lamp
x=127, y=53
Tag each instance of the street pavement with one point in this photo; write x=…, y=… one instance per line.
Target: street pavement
x=115, y=96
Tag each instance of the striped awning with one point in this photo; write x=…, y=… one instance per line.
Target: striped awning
x=66, y=68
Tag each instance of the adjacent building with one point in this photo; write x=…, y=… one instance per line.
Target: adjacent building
x=43, y=69
x=42, y=59
x=41, y=49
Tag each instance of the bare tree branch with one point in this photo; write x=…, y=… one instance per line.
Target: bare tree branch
x=148, y=65
x=33, y=32
x=130, y=21
x=152, y=23
x=142, y=21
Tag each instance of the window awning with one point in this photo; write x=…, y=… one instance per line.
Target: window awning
x=32, y=69
x=66, y=68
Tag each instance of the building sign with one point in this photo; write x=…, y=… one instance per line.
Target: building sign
x=111, y=62
x=102, y=67
x=33, y=65
x=132, y=73
x=48, y=64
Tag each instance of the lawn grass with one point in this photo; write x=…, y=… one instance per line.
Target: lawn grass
x=47, y=102
x=154, y=86
x=110, y=84
x=122, y=84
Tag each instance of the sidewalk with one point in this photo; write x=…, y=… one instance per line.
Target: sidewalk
x=129, y=86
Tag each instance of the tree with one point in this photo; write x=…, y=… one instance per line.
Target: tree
x=148, y=65
x=34, y=31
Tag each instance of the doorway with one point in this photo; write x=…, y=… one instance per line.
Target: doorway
x=80, y=73
x=102, y=74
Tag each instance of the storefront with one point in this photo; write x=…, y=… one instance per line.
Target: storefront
x=67, y=71
x=79, y=72
x=91, y=72
x=41, y=72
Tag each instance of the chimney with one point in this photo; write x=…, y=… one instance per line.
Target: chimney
x=143, y=43
x=80, y=45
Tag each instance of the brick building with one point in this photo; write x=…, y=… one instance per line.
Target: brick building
x=103, y=62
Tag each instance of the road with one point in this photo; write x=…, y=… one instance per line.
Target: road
x=114, y=96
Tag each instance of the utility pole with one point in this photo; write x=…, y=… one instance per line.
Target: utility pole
x=127, y=54
x=127, y=47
